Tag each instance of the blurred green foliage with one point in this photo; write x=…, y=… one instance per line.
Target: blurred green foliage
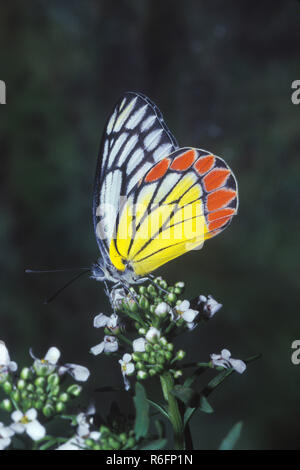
x=221, y=73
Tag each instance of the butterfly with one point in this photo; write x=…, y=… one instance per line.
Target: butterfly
x=153, y=201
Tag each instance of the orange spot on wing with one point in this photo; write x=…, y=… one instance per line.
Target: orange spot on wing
x=184, y=161
x=158, y=171
x=204, y=164
x=219, y=198
x=218, y=223
x=220, y=214
x=215, y=178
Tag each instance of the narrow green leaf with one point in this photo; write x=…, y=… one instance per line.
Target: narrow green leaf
x=160, y=408
x=187, y=395
x=142, y=411
x=188, y=414
x=205, y=405
x=232, y=437
x=216, y=381
x=155, y=445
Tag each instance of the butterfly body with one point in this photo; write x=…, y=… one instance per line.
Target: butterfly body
x=153, y=201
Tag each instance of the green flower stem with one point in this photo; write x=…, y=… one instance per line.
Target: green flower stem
x=167, y=385
x=123, y=338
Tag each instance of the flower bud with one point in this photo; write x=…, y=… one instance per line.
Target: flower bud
x=142, y=375
x=177, y=374
x=21, y=384
x=55, y=391
x=53, y=379
x=64, y=397
x=48, y=411
x=144, y=303
x=142, y=290
x=40, y=391
x=160, y=359
x=163, y=284
x=7, y=387
x=38, y=404
x=26, y=373
x=152, y=372
x=123, y=437
x=27, y=404
x=145, y=356
x=168, y=355
x=6, y=405
x=114, y=443
x=152, y=291
x=171, y=297
x=170, y=347
x=180, y=354
x=15, y=395
x=139, y=365
x=60, y=407
x=142, y=331
x=40, y=382
x=74, y=390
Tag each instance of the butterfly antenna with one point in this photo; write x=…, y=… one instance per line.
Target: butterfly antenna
x=49, y=299
x=39, y=271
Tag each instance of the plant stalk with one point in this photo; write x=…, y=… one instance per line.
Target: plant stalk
x=167, y=385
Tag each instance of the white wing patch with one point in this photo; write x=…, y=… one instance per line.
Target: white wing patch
x=124, y=115
x=128, y=148
x=152, y=140
x=136, y=118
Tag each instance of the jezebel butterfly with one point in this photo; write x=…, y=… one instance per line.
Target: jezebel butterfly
x=153, y=201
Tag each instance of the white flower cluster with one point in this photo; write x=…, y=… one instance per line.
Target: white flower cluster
x=76, y=442
x=28, y=422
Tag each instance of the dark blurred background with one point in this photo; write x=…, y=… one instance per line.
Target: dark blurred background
x=221, y=73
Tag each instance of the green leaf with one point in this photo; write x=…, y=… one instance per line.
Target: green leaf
x=154, y=445
x=216, y=381
x=205, y=405
x=188, y=414
x=187, y=395
x=142, y=411
x=160, y=408
x=232, y=437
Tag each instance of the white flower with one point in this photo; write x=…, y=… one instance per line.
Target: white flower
x=162, y=309
x=184, y=311
x=5, y=436
x=82, y=432
x=152, y=334
x=6, y=365
x=101, y=320
x=28, y=422
x=224, y=360
x=108, y=345
x=117, y=296
x=139, y=345
x=210, y=305
x=79, y=373
x=127, y=368
x=49, y=361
